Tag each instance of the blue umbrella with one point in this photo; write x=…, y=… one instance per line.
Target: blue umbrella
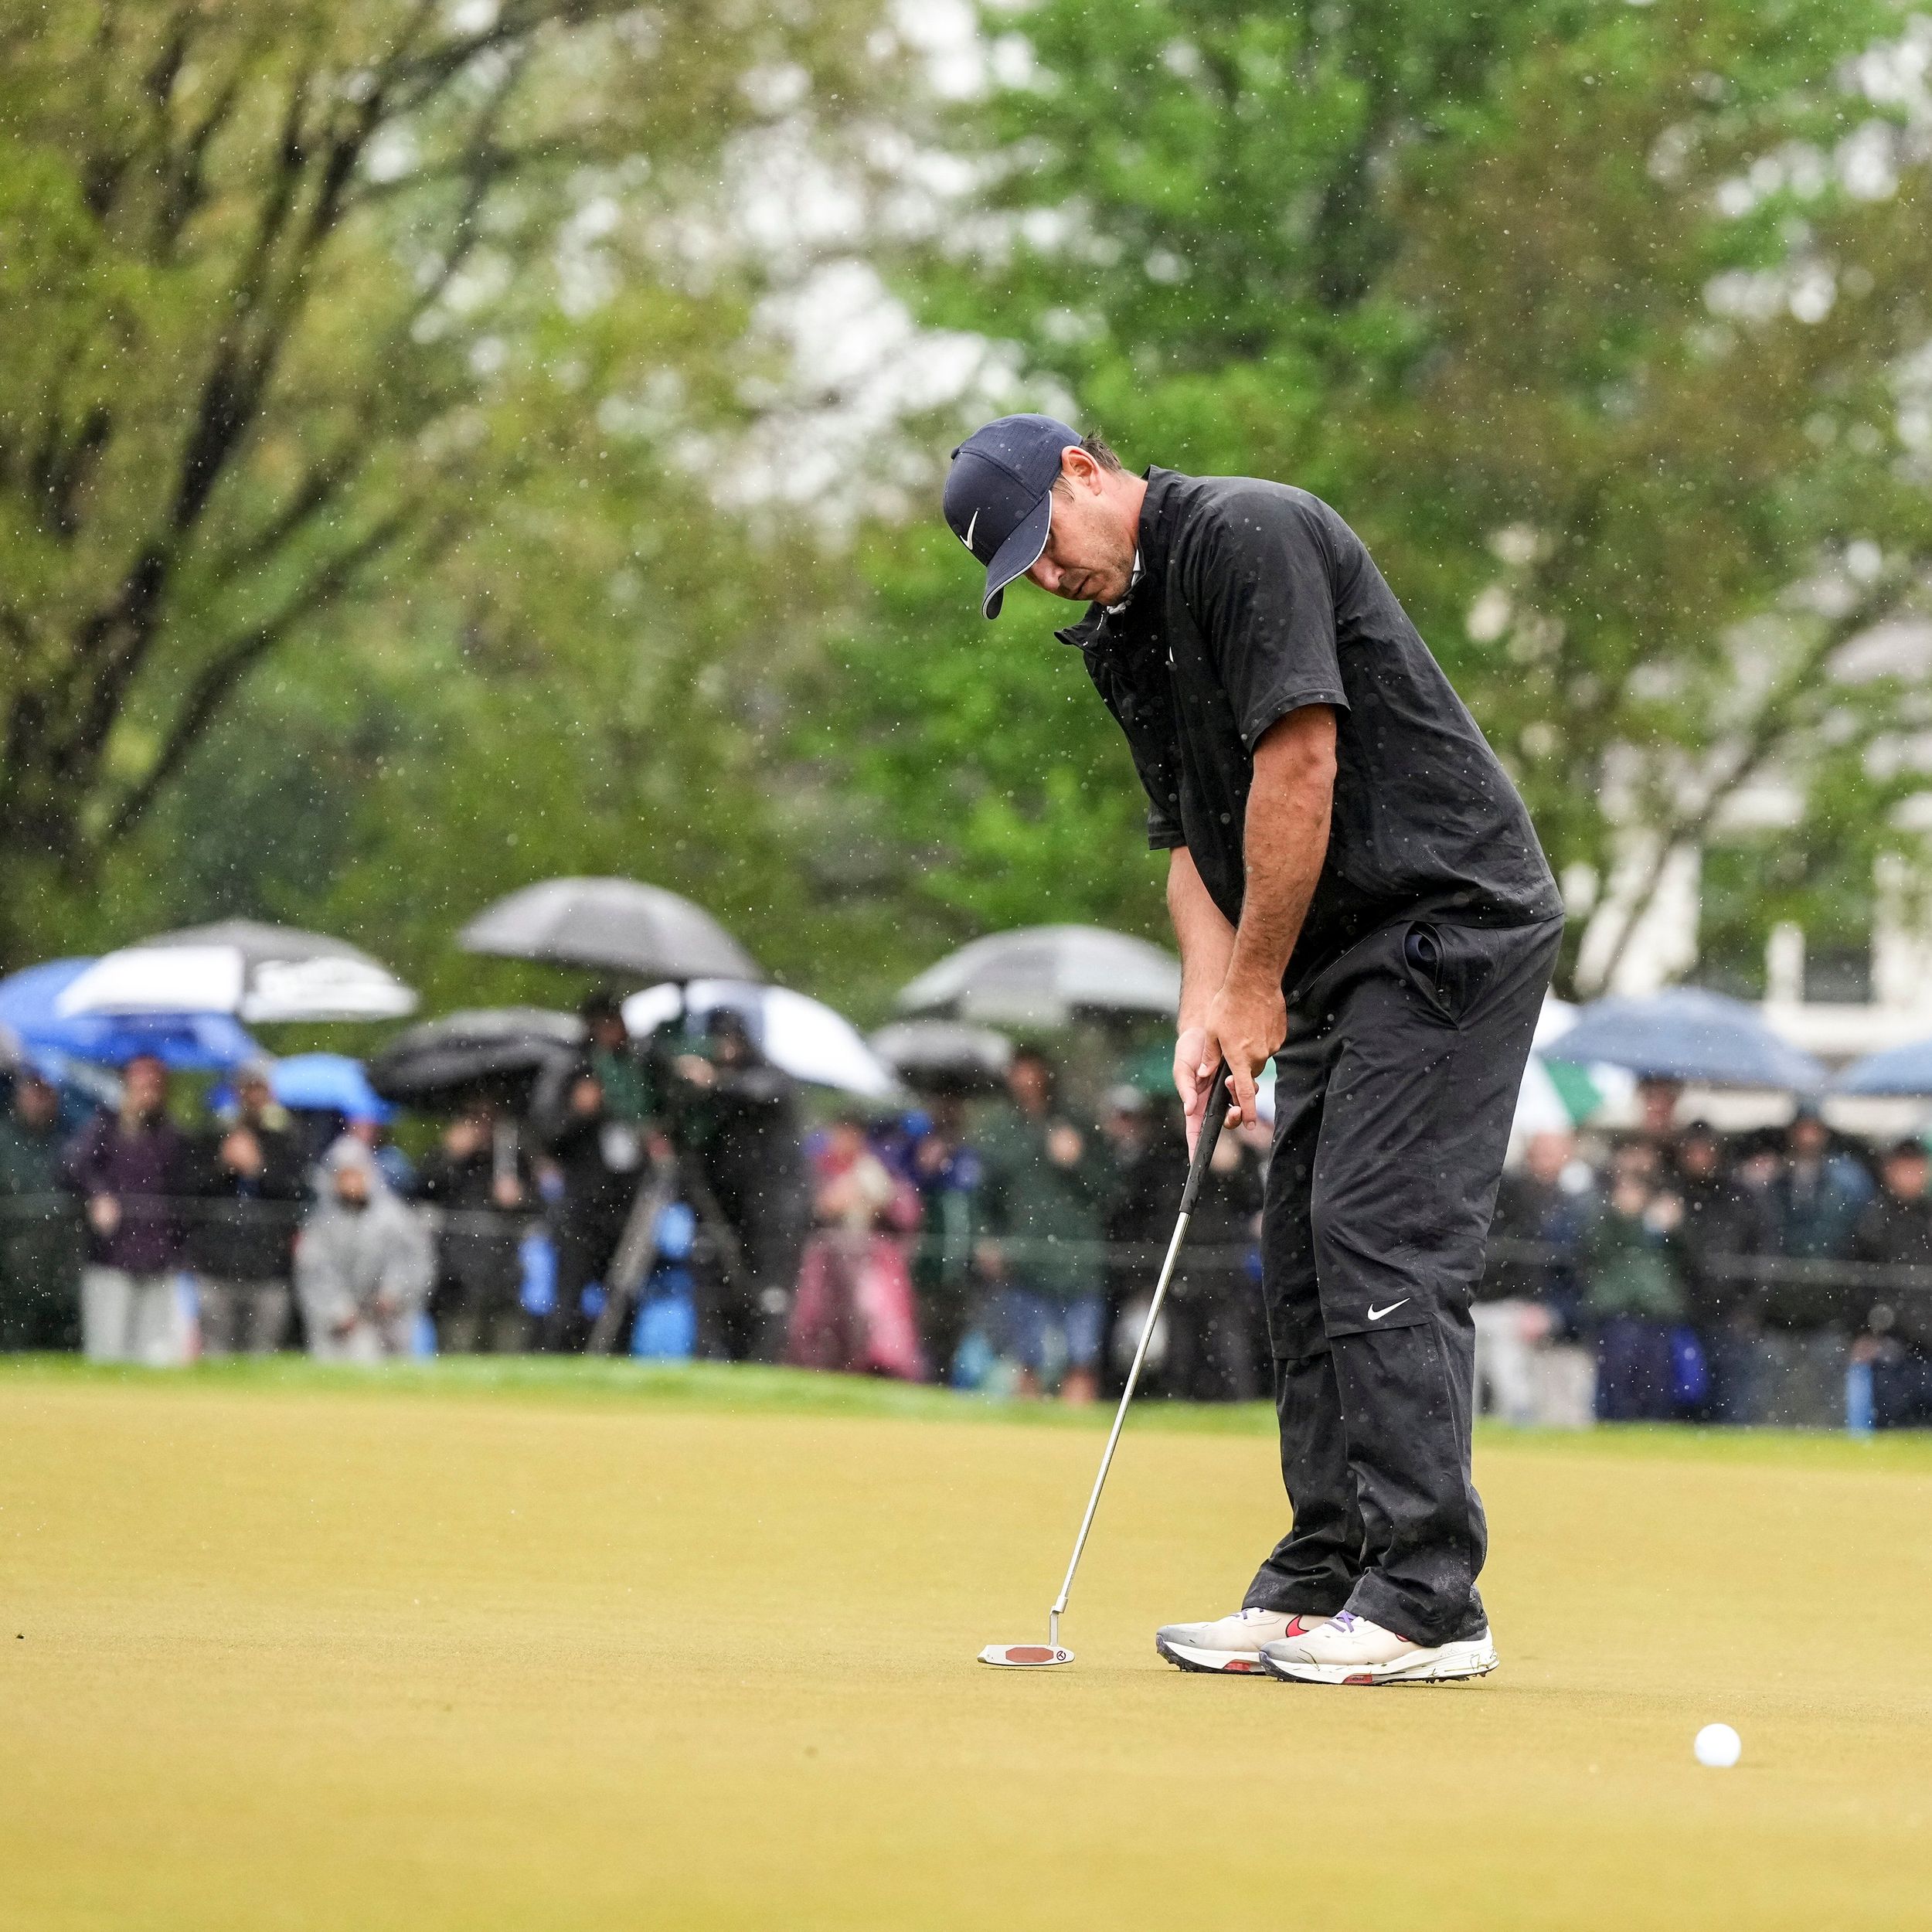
x=1905, y=1071
x=328, y=1083
x=189, y=1043
x=1685, y=1033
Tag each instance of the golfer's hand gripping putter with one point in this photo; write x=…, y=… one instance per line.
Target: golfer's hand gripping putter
x=1036, y=1656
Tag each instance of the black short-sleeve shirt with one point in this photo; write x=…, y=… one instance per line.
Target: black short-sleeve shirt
x=1255, y=600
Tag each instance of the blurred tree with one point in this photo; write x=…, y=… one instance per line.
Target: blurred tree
x=1598, y=322
x=329, y=325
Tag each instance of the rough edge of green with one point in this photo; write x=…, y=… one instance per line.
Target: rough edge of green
x=747, y=1389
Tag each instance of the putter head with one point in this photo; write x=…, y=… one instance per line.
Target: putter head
x=1024, y=1656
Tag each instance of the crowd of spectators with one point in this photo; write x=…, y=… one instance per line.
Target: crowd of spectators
x=1782, y=1276
x=665, y=1197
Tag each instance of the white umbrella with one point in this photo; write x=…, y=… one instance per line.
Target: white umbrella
x=259, y=973
x=800, y=1036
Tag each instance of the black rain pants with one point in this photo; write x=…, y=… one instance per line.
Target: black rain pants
x=1394, y=1095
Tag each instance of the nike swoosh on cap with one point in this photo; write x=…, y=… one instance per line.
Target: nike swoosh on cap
x=968, y=539
x=1376, y=1315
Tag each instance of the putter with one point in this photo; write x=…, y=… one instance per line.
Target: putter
x=1039, y=1656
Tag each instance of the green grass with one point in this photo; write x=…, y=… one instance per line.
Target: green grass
x=748, y=1388
x=577, y=1646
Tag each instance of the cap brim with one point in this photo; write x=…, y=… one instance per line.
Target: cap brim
x=1018, y=553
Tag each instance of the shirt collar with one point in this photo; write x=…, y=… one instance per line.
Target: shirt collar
x=1150, y=560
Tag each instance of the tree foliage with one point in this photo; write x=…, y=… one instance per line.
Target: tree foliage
x=1593, y=319
x=337, y=325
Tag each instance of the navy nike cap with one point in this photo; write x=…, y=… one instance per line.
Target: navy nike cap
x=999, y=500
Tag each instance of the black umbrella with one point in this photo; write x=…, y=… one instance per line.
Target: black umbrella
x=944, y=1056
x=615, y=925
x=497, y=1054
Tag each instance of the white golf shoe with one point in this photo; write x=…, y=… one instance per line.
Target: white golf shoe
x=1349, y=1649
x=1230, y=1644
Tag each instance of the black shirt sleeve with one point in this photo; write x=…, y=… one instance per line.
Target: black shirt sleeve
x=1260, y=586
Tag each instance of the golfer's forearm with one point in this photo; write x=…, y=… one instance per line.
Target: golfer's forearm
x=1285, y=840
x=1206, y=938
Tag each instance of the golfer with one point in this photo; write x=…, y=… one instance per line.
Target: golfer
x=1358, y=892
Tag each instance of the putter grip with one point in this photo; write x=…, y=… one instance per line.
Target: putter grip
x=1219, y=1098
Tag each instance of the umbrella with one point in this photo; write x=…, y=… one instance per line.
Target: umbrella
x=30, y=1004
x=1043, y=975
x=1904, y=1071
x=803, y=1038
x=496, y=1052
x=614, y=924
x=258, y=973
x=1685, y=1033
x=944, y=1054
x=328, y=1084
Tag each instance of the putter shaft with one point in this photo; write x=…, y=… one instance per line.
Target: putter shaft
x=1120, y=1417
x=1211, y=1122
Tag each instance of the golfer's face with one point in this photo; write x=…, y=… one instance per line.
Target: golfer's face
x=1087, y=558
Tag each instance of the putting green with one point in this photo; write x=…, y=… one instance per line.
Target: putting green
x=578, y=1646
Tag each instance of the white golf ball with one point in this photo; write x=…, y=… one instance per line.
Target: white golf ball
x=1717, y=1746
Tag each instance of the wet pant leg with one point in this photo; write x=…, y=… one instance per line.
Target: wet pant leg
x=1394, y=1096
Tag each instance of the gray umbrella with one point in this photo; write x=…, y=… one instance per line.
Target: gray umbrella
x=944, y=1054
x=1043, y=975
x=616, y=925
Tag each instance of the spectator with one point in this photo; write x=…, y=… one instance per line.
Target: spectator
x=1148, y=1153
x=1528, y=1309
x=364, y=1264
x=480, y=1177
x=1633, y=1291
x=40, y=1235
x=740, y=1125
x=132, y=1166
x=1046, y=1186
x=1895, y=1231
x=946, y=1173
x=1658, y=1098
x=1816, y=1200
x=1215, y=1301
x=241, y=1242
x=629, y=1092
x=1725, y=1221
x=391, y=1162
x=854, y=1308
x=599, y=1157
